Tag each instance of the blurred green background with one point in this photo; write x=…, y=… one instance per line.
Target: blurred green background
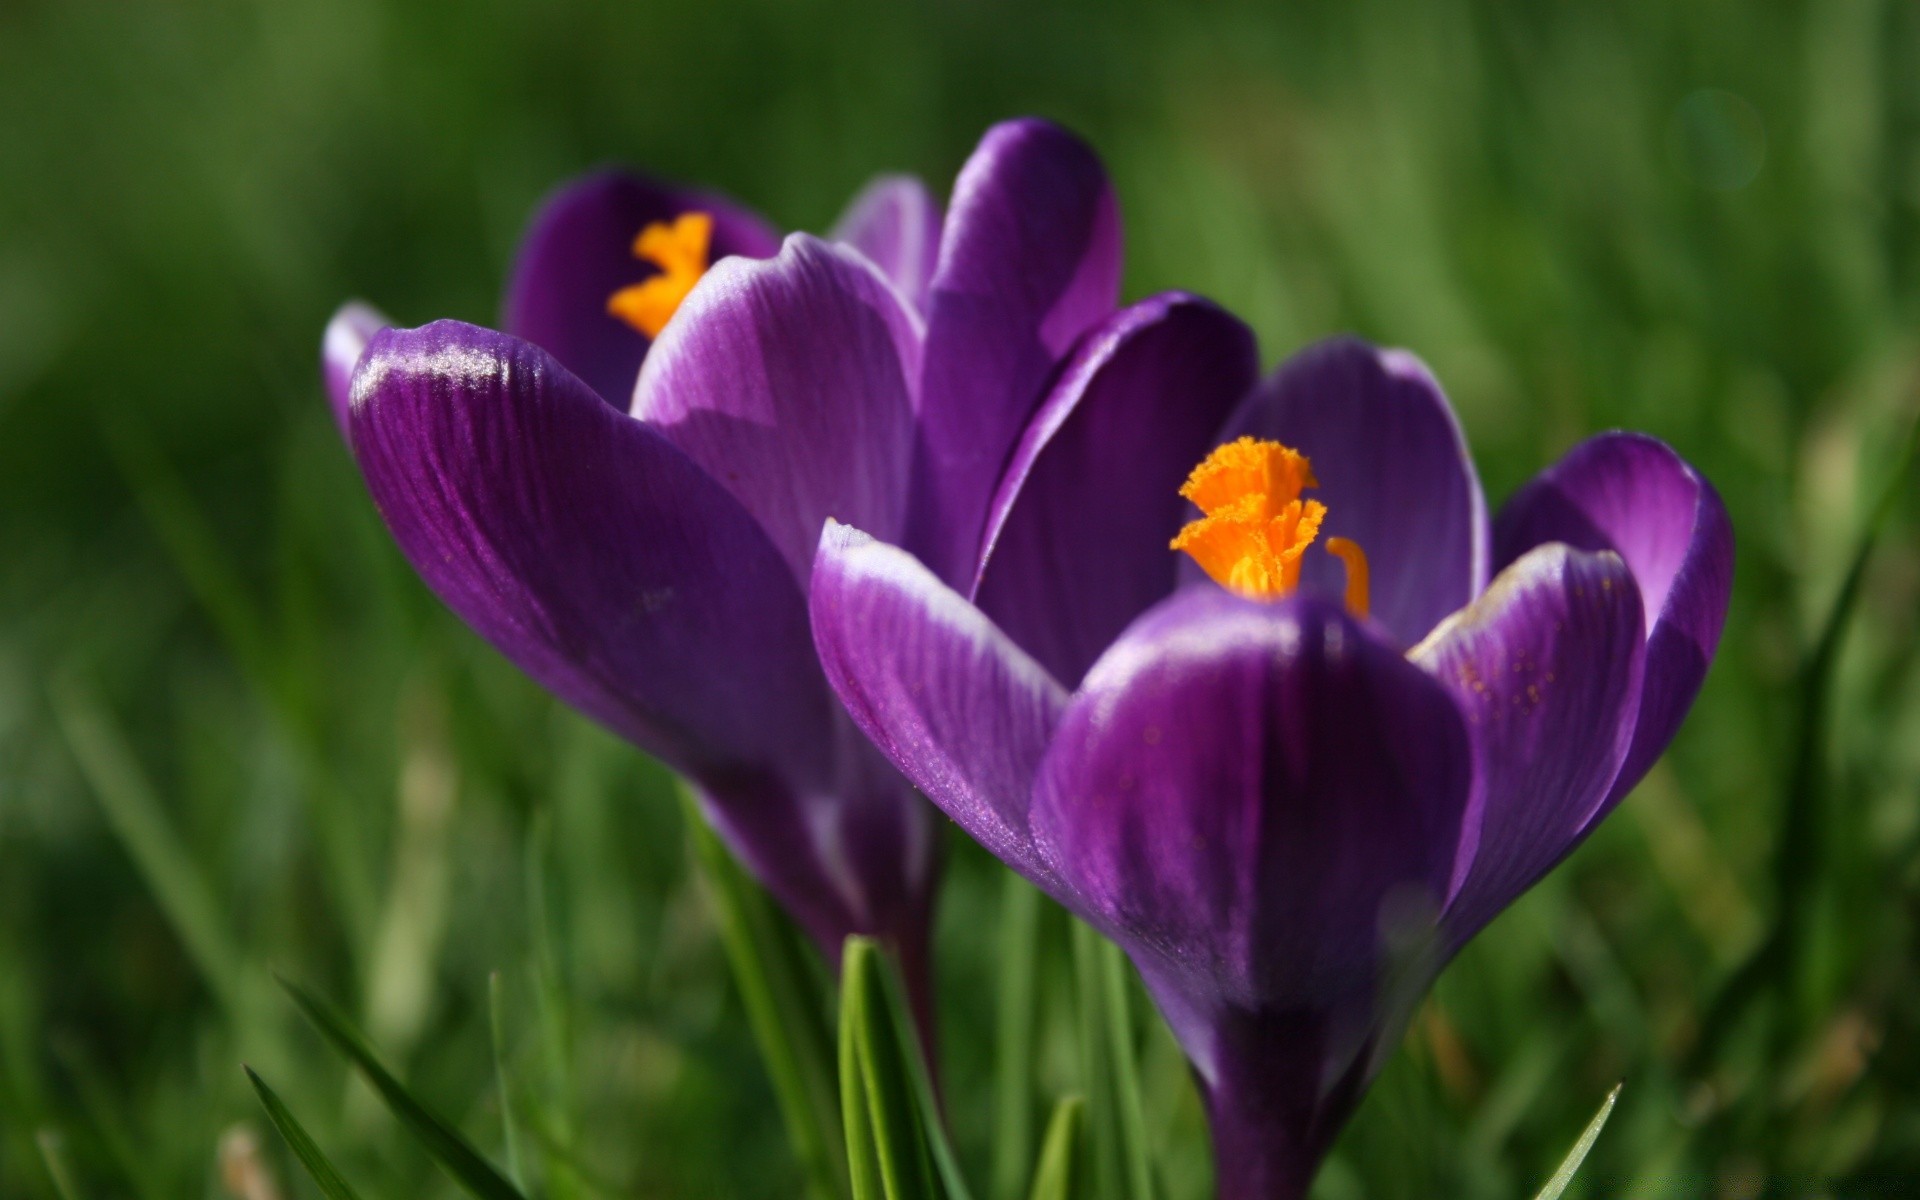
x=237, y=734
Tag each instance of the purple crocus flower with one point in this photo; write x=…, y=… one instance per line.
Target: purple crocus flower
x=624, y=491
x=1290, y=810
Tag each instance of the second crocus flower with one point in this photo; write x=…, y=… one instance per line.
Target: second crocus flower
x=1292, y=788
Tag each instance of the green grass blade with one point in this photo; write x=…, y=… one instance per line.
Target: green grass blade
x=1591, y=1134
x=1124, y=1056
x=216, y=582
x=53, y=1153
x=101, y=1101
x=1062, y=1171
x=913, y=1051
x=442, y=1142
x=863, y=1161
x=140, y=822
x=783, y=1008
x=328, y=1180
x=554, y=1006
x=888, y=1097
x=1016, y=1009
x=497, y=1029
x=1096, y=1079
x=1799, y=848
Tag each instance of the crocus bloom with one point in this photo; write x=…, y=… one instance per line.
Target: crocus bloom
x=1293, y=797
x=623, y=492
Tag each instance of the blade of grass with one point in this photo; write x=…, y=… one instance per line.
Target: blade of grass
x=1799, y=850
x=863, y=1160
x=1103, y=1162
x=139, y=820
x=554, y=1008
x=1061, y=1173
x=912, y=1053
x=883, y=1090
x=497, y=1030
x=1123, y=1053
x=1016, y=1010
x=53, y=1153
x=442, y=1142
x=218, y=585
x=330, y=1182
x=109, y=1124
x=783, y=1007
x=1591, y=1134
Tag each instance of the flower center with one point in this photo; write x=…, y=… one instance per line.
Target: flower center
x=1256, y=527
x=679, y=248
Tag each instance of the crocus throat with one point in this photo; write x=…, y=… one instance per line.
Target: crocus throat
x=1256, y=527
x=679, y=248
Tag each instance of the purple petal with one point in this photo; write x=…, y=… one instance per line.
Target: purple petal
x=592, y=553
x=579, y=251
x=348, y=333
x=1029, y=260
x=859, y=859
x=1254, y=795
x=791, y=381
x=1546, y=665
x=895, y=222
x=1077, y=536
x=1394, y=472
x=956, y=706
x=1277, y=1083
x=1632, y=494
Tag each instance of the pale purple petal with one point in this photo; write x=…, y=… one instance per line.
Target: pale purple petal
x=1394, y=473
x=1257, y=795
x=948, y=698
x=791, y=381
x=1632, y=494
x=895, y=222
x=1029, y=260
x=1077, y=537
x=348, y=333
x=578, y=251
x=593, y=553
x=1546, y=665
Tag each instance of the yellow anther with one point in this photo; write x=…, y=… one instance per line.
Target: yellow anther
x=679, y=248
x=1256, y=526
x=1355, y=560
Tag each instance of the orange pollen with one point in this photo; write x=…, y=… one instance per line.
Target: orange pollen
x=1255, y=527
x=679, y=248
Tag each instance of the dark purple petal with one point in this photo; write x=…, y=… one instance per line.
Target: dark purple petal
x=1256, y=795
x=348, y=333
x=1546, y=665
x=1077, y=536
x=956, y=706
x=593, y=553
x=1394, y=472
x=791, y=381
x=579, y=251
x=1029, y=260
x=895, y=222
x=1278, y=1084
x=859, y=859
x=1632, y=494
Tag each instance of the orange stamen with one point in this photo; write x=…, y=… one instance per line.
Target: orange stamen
x=1355, y=560
x=1256, y=527
x=679, y=248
